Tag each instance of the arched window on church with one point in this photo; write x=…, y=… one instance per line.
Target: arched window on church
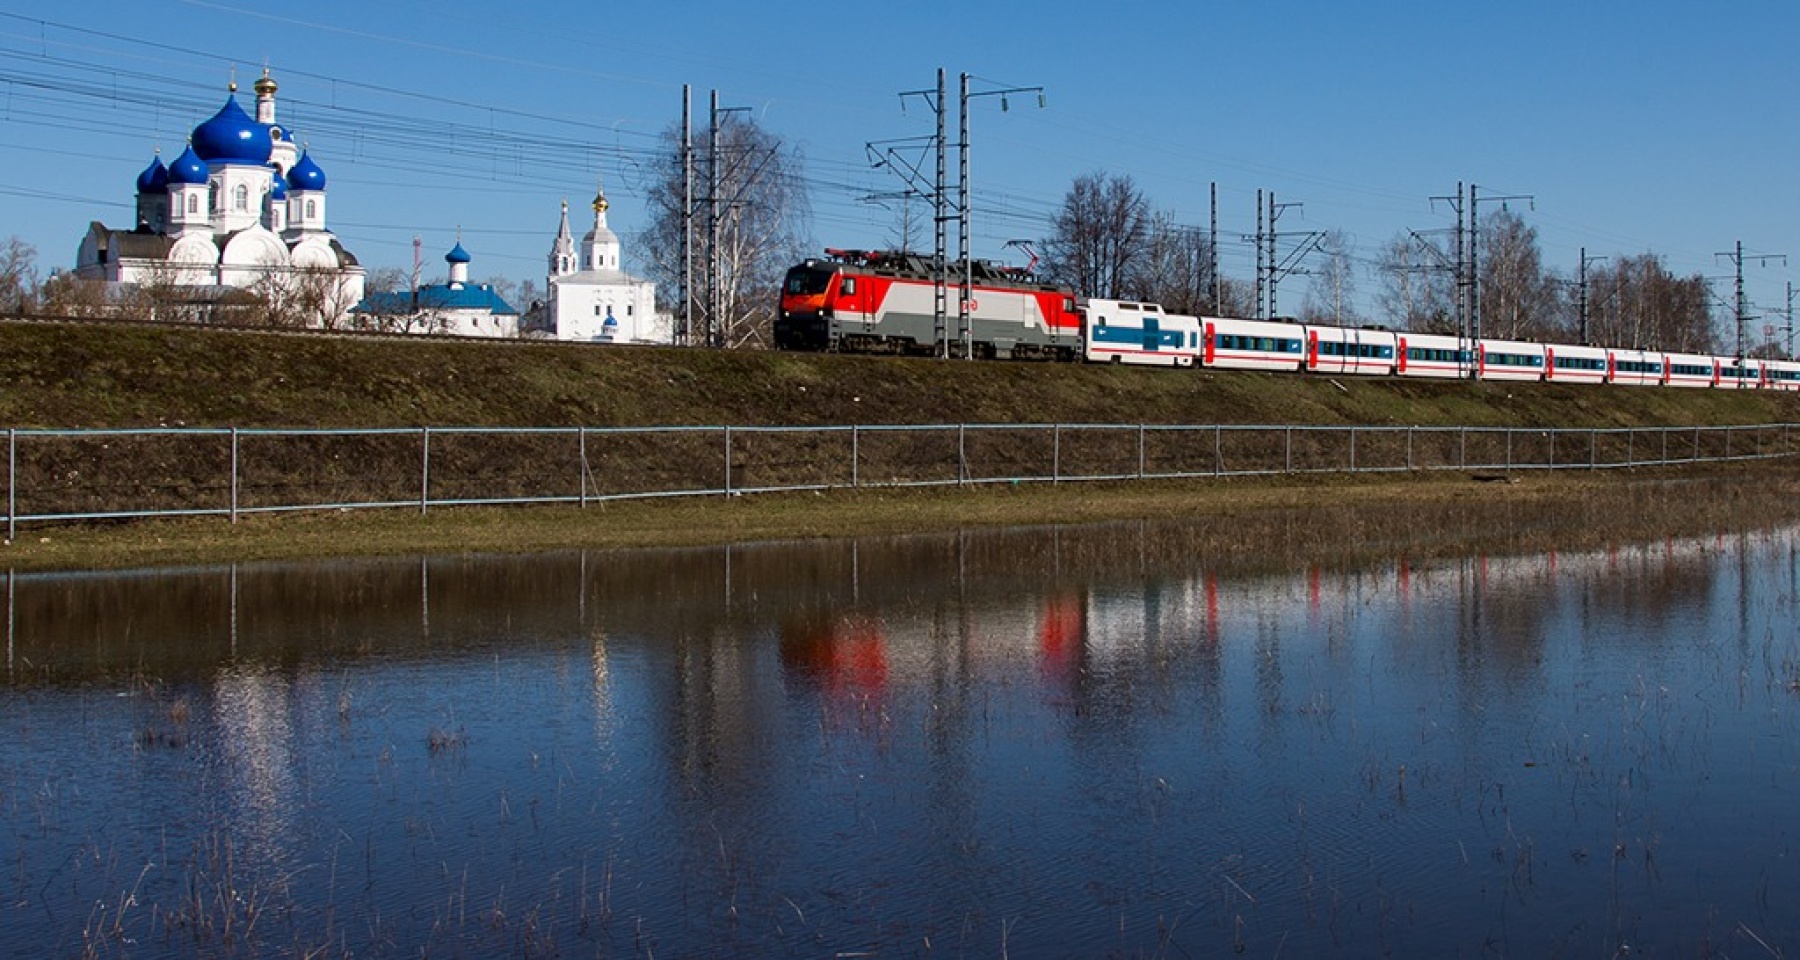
x=240, y=198
x=312, y=209
x=193, y=203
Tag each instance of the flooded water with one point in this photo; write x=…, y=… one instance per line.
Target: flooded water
x=1024, y=743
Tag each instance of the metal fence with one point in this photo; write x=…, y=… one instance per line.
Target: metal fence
x=79, y=475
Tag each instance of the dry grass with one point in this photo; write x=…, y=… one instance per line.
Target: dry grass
x=1269, y=517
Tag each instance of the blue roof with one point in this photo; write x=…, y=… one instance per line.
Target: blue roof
x=306, y=174
x=457, y=254
x=438, y=296
x=189, y=168
x=155, y=178
x=279, y=190
x=233, y=136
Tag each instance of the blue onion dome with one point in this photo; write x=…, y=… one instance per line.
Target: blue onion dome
x=306, y=174
x=188, y=168
x=457, y=254
x=279, y=191
x=155, y=178
x=232, y=136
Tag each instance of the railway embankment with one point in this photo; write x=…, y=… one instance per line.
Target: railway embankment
x=61, y=376
x=70, y=376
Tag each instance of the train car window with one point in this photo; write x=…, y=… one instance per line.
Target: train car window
x=848, y=287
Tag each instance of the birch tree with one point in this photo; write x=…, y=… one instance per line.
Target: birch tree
x=1519, y=300
x=764, y=227
x=1417, y=289
x=1332, y=298
x=1635, y=302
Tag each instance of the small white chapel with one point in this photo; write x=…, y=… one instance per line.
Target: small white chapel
x=592, y=298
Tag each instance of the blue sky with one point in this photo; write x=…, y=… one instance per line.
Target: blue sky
x=1649, y=126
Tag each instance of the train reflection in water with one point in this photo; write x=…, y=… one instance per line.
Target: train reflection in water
x=1091, y=730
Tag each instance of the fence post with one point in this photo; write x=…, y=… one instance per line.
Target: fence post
x=424, y=468
x=728, y=461
x=1056, y=454
x=1631, y=447
x=581, y=433
x=962, y=454
x=1696, y=457
x=1509, y=450
x=1593, y=448
x=234, y=474
x=1352, y=449
x=1462, y=448
x=1288, y=451
x=1728, y=441
x=855, y=442
x=1552, y=463
x=1409, y=439
x=12, y=485
x=1140, y=451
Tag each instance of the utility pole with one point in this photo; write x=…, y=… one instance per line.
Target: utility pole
x=1585, y=260
x=1459, y=270
x=1742, y=306
x=1278, y=268
x=965, y=302
x=686, y=334
x=1790, y=320
x=1213, y=251
x=1274, y=211
x=1259, y=256
x=1474, y=255
x=712, y=225
x=940, y=263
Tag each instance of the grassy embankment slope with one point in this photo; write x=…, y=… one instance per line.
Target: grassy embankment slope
x=123, y=376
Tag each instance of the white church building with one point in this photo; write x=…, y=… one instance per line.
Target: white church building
x=241, y=208
x=592, y=298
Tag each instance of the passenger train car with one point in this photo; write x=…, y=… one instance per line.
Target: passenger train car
x=870, y=301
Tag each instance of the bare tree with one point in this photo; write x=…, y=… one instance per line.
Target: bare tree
x=1100, y=234
x=18, y=276
x=1175, y=268
x=1417, y=290
x=1519, y=299
x=300, y=298
x=506, y=289
x=66, y=295
x=1636, y=302
x=909, y=221
x=763, y=229
x=1332, y=298
x=1237, y=298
